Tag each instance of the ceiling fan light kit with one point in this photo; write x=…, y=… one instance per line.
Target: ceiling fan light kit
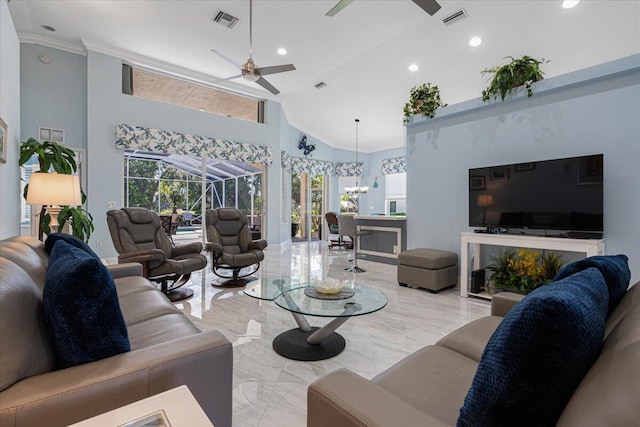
x=249, y=71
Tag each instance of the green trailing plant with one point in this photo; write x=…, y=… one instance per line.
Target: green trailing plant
x=423, y=99
x=523, y=270
x=61, y=159
x=521, y=71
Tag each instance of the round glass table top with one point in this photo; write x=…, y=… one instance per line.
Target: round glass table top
x=268, y=288
x=364, y=301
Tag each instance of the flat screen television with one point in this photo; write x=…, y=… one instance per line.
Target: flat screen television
x=560, y=194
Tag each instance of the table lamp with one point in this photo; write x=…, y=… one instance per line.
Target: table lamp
x=484, y=201
x=54, y=189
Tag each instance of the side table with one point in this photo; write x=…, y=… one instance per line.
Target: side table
x=178, y=404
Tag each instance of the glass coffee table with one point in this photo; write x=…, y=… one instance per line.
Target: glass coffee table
x=309, y=343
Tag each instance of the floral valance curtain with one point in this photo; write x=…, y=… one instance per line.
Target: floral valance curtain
x=163, y=141
x=394, y=165
x=304, y=165
x=350, y=169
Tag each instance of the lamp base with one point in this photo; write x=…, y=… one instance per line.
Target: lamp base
x=54, y=211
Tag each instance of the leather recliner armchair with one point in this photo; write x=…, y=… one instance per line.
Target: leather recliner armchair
x=138, y=236
x=229, y=240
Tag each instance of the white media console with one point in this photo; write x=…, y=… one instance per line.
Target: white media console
x=590, y=247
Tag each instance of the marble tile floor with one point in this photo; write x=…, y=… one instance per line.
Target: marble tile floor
x=270, y=390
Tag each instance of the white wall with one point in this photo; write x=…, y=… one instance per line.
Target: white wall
x=10, y=113
x=587, y=112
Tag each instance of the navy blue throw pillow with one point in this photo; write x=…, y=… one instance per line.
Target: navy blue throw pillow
x=614, y=268
x=81, y=308
x=68, y=238
x=538, y=355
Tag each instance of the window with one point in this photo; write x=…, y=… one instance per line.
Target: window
x=171, y=90
x=171, y=183
x=396, y=193
x=348, y=202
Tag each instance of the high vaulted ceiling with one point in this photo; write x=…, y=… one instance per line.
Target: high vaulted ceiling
x=362, y=53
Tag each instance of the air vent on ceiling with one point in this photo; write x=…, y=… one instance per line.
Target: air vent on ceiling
x=320, y=85
x=225, y=19
x=455, y=16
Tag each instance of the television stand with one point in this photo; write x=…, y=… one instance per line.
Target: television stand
x=589, y=247
x=583, y=235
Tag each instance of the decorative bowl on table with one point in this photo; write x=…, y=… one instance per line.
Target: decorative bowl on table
x=328, y=285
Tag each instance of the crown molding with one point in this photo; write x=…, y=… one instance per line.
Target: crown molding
x=162, y=67
x=38, y=39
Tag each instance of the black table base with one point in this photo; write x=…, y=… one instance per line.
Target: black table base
x=293, y=344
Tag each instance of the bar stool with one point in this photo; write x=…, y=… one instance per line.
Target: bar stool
x=347, y=227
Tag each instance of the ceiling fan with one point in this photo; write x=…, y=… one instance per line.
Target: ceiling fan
x=249, y=70
x=429, y=6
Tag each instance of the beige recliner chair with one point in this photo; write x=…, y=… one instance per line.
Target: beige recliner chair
x=229, y=240
x=138, y=236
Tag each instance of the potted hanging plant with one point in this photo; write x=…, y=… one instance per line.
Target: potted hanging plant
x=61, y=159
x=521, y=71
x=423, y=99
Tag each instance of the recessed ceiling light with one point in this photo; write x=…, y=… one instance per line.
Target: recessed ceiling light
x=413, y=67
x=475, y=41
x=282, y=51
x=48, y=28
x=568, y=4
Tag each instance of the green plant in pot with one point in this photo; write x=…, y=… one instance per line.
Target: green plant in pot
x=518, y=72
x=423, y=99
x=61, y=159
x=523, y=270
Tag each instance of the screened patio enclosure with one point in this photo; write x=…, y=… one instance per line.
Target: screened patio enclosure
x=178, y=184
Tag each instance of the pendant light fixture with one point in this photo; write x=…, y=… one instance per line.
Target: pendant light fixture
x=355, y=191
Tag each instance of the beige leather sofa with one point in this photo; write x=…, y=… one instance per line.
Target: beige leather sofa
x=428, y=387
x=167, y=350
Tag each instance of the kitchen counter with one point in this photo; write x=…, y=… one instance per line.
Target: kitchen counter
x=388, y=237
x=382, y=217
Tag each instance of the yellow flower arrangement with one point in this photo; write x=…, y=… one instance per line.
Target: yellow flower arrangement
x=523, y=270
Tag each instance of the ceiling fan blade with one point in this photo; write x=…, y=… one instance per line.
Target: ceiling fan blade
x=268, y=86
x=227, y=78
x=429, y=6
x=263, y=71
x=226, y=58
x=338, y=7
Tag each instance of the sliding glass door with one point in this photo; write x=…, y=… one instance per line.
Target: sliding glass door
x=307, y=206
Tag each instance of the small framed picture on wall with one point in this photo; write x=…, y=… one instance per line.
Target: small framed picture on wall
x=500, y=174
x=477, y=183
x=3, y=141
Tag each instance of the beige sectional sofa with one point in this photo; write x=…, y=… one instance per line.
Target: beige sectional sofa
x=167, y=350
x=428, y=387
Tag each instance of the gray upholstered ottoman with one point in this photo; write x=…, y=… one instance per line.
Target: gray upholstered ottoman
x=430, y=269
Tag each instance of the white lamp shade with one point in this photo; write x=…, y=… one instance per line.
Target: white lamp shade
x=54, y=189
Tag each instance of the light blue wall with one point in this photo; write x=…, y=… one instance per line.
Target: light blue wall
x=376, y=196
x=82, y=95
x=54, y=95
x=322, y=152
x=10, y=113
x=586, y=112
x=107, y=107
